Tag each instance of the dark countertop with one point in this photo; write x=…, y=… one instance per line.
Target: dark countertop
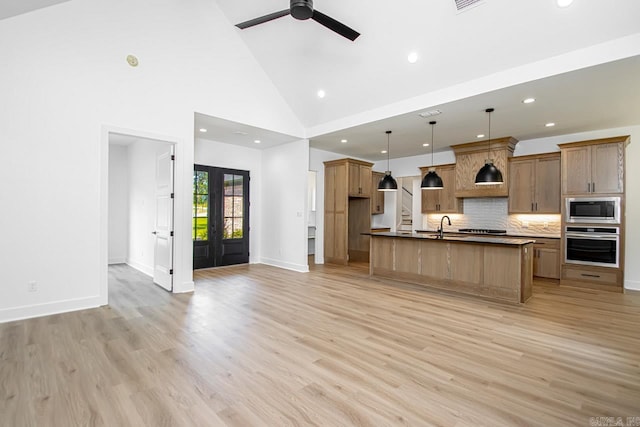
x=471, y=238
x=524, y=236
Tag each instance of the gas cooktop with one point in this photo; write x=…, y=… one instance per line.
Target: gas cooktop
x=481, y=231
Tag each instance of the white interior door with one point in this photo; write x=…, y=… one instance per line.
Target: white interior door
x=163, y=231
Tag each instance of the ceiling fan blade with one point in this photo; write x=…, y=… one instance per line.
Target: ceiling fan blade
x=263, y=19
x=334, y=25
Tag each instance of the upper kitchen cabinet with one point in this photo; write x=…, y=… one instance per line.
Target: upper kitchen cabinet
x=534, y=184
x=377, y=197
x=593, y=167
x=441, y=201
x=359, y=178
x=470, y=157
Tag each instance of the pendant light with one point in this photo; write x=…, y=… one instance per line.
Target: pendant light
x=489, y=174
x=431, y=180
x=388, y=183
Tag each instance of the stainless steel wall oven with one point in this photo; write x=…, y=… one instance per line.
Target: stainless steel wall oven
x=598, y=246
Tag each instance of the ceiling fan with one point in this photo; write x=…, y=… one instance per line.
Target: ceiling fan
x=303, y=10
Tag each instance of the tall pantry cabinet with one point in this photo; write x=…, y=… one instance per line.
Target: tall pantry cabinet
x=347, y=210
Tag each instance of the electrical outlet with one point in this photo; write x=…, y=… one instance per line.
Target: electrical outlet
x=545, y=225
x=32, y=286
x=525, y=224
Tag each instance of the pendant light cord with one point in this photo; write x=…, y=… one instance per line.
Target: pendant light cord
x=432, y=126
x=388, y=161
x=489, y=110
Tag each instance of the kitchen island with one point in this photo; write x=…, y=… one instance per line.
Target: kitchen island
x=497, y=268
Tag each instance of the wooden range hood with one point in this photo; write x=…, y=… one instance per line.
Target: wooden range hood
x=470, y=157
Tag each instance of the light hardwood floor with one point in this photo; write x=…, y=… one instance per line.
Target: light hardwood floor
x=256, y=345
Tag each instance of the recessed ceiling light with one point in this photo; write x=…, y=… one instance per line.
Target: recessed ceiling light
x=321, y=93
x=384, y=151
x=413, y=57
x=550, y=124
x=203, y=130
x=564, y=3
x=257, y=141
x=528, y=100
x=425, y=144
x=344, y=141
x=239, y=132
x=480, y=136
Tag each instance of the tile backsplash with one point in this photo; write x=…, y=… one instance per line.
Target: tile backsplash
x=493, y=213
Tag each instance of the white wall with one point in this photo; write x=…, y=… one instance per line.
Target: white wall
x=65, y=84
x=285, y=171
x=118, y=203
x=223, y=155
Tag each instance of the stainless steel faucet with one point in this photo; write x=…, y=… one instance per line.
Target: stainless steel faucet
x=441, y=231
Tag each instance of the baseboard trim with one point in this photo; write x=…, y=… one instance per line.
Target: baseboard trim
x=48, y=309
x=145, y=269
x=117, y=261
x=300, y=268
x=633, y=285
x=184, y=288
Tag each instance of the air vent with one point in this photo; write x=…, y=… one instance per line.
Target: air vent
x=463, y=5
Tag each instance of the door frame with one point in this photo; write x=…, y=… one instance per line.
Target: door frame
x=216, y=215
x=182, y=277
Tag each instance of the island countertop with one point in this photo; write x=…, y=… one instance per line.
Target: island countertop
x=472, y=238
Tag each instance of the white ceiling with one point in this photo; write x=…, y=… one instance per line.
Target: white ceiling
x=301, y=57
x=373, y=73
x=9, y=8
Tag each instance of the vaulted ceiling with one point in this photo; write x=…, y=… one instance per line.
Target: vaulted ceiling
x=581, y=63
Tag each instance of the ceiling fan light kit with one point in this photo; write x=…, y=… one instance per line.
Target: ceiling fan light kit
x=388, y=182
x=303, y=10
x=432, y=180
x=489, y=174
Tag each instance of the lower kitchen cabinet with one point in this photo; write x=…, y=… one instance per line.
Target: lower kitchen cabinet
x=546, y=258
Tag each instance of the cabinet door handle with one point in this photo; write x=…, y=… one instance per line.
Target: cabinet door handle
x=531, y=206
x=590, y=275
x=588, y=187
x=536, y=206
x=593, y=187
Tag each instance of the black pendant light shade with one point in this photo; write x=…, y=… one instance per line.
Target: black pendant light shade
x=388, y=183
x=489, y=174
x=431, y=180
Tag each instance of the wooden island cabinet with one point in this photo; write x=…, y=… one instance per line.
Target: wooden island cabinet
x=489, y=267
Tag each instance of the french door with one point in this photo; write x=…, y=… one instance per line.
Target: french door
x=220, y=216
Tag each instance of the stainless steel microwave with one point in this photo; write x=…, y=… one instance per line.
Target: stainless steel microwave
x=593, y=210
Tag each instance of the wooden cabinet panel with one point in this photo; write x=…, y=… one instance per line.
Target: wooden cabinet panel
x=434, y=259
x=377, y=197
x=593, y=167
x=359, y=180
x=521, y=186
x=406, y=256
x=546, y=259
x=606, y=168
x=501, y=266
x=576, y=170
x=546, y=263
x=444, y=201
x=471, y=270
x=534, y=184
x=547, y=188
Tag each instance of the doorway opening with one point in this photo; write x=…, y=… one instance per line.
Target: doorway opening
x=220, y=216
x=141, y=206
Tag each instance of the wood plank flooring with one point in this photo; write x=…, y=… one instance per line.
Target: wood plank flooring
x=260, y=346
